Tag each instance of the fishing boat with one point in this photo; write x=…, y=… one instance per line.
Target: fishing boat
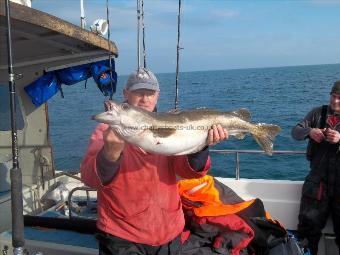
x=59, y=210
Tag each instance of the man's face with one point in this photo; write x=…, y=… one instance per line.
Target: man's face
x=143, y=98
x=335, y=102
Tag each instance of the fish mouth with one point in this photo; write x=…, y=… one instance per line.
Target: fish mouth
x=108, y=117
x=99, y=118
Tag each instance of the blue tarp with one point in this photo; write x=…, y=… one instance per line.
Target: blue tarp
x=101, y=75
x=50, y=83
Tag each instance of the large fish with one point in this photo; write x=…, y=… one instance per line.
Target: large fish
x=182, y=132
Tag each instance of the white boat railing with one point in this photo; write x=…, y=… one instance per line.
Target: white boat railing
x=238, y=152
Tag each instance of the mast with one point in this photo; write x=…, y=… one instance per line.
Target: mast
x=18, y=240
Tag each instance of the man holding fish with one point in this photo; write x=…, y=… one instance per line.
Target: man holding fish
x=139, y=208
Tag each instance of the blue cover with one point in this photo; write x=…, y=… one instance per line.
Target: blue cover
x=48, y=85
x=74, y=74
x=43, y=89
x=101, y=75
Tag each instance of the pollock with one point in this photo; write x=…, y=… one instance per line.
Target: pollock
x=182, y=132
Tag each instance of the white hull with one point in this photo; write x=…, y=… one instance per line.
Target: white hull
x=281, y=199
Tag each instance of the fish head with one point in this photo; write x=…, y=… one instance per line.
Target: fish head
x=111, y=116
x=123, y=117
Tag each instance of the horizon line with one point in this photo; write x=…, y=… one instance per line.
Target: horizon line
x=242, y=68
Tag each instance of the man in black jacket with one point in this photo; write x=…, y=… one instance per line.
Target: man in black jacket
x=321, y=189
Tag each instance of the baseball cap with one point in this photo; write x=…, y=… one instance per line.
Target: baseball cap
x=336, y=87
x=142, y=79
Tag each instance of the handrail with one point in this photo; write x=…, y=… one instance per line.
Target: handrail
x=220, y=151
x=238, y=152
x=86, y=189
x=71, y=174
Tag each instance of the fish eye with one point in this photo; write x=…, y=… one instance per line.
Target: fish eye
x=125, y=106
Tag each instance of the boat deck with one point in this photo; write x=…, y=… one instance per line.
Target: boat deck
x=54, y=241
x=56, y=236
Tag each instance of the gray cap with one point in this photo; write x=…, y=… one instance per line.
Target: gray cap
x=336, y=87
x=142, y=79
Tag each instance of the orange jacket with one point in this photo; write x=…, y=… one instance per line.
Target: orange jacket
x=202, y=190
x=206, y=212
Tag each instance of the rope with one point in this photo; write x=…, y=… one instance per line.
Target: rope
x=178, y=49
x=109, y=45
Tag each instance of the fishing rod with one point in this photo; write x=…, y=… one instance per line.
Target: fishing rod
x=18, y=240
x=178, y=49
x=138, y=37
x=143, y=26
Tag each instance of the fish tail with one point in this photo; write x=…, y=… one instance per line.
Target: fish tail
x=265, y=135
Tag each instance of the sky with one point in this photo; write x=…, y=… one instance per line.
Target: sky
x=216, y=34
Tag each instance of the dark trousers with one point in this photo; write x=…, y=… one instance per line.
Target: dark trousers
x=317, y=203
x=112, y=245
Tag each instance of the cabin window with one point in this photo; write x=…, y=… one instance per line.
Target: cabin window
x=5, y=111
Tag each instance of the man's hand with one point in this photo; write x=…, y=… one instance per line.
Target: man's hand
x=217, y=134
x=332, y=136
x=317, y=134
x=113, y=144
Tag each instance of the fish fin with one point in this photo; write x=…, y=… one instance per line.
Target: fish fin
x=240, y=136
x=163, y=132
x=243, y=114
x=174, y=111
x=266, y=135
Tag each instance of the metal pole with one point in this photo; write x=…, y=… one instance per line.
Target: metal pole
x=18, y=240
x=237, y=166
x=178, y=49
x=82, y=15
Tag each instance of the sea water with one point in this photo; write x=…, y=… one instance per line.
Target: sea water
x=281, y=96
